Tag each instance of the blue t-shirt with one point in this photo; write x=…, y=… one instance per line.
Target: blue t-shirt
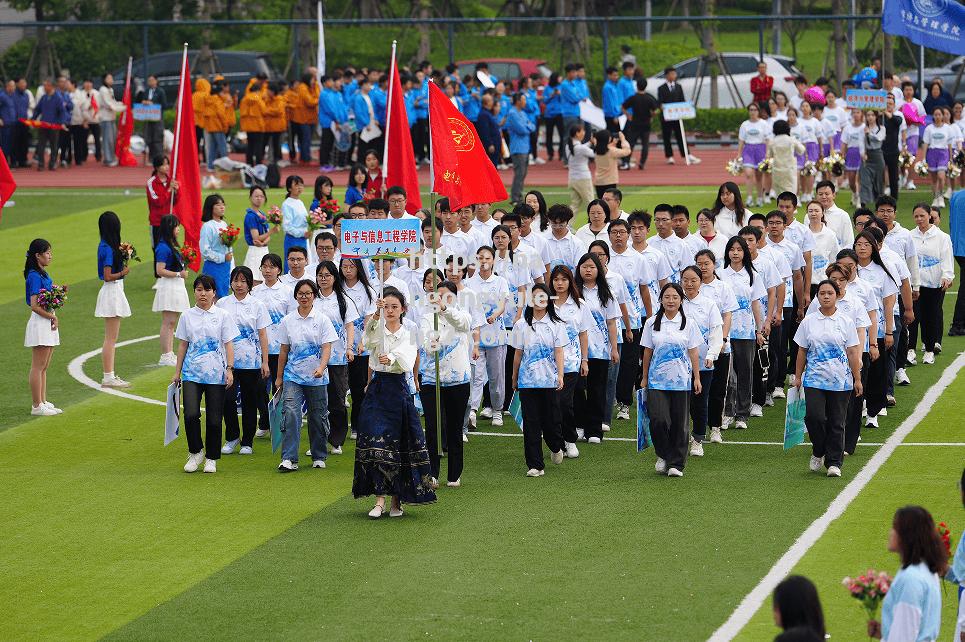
x=254, y=221
x=353, y=195
x=164, y=253
x=105, y=257
x=37, y=282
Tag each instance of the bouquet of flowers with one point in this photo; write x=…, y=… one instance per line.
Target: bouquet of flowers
x=129, y=253
x=229, y=235
x=905, y=159
x=766, y=165
x=53, y=298
x=809, y=169
x=959, y=159
x=274, y=215
x=322, y=214
x=953, y=171
x=734, y=167
x=921, y=168
x=189, y=254
x=832, y=164
x=869, y=589
x=946, y=536
x=370, y=193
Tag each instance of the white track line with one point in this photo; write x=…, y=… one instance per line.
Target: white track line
x=76, y=370
x=756, y=598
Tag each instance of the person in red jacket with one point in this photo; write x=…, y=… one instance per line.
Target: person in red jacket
x=762, y=84
x=161, y=194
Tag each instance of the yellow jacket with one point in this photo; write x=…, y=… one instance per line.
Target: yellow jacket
x=305, y=105
x=252, y=112
x=275, y=118
x=202, y=92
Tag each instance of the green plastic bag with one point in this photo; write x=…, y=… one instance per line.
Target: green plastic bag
x=794, y=428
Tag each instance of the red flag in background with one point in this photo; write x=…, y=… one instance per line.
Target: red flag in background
x=461, y=169
x=7, y=185
x=398, y=162
x=125, y=127
x=185, y=168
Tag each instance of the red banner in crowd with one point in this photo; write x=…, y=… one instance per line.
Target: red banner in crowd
x=185, y=168
x=398, y=163
x=7, y=185
x=125, y=126
x=39, y=124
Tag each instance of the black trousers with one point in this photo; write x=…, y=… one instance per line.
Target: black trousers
x=454, y=402
x=538, y=406
x=214, y=394
x=154, y=138
x=325, y=147
x=248, y=381
x=877, y=381
x=928, y=317
x=591, y=406
x=508, y=385
x=629, y=373
x=641, y=134
x=198, y=136
x=699, y=405
x=358, y=375
x=255, y=149
x=554, y=124
x=273, y=142
x=744, y=355
x=420, y=139
x=958, y=320
x=668, y=129
x=21, y=144
x=778, y=350
x=567, y=416
x=64, y=146
x=669, y=411
x=718, y=391
x=337, y=414
x=47, y=138
x=264, y=389
x=824, y=418
x=760, y=380
x=78, y=137
x=891, y=165
x=852, y=424
x=534, y=141
x=95, y=131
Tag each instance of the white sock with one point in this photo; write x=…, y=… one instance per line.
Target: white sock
x=109, y=375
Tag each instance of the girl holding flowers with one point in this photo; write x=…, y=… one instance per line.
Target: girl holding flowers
x=112, y=305
x=294, y=216
x=217, y=256
x=258, y=231
x=170, y=297
x=42, y=332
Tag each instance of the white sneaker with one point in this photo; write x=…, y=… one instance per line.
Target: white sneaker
x=756, y=410
x=871, y=422
x=727, y=422
x=540, y=161
x=883, y=412
x=557, y=457
x=670, y=161
x=901, y=377
x=245, y=450
x=532, y=472
x=455, y=484
x=605, y=427
x=210, y=466
x=497, y=419
x=308, y=453
x=472, y=419
x=593, y=440
x=660, y=466
x=42, y=411
x=580, y=433
x=623, y=411
x=673, y=472
x=740, y=424
x=287, y=466
x=768, y=400
x=318, y=463
x=229, y=446
x=168, y=359
x=486, y=413
x=194, y=461
x=887, y=191
x=947, y=193
x=571, y=450
x=465, y=438
x=938, y=348
x=50, y=406
x=261, y=434
x=693, y=160
x=715, y=436
x=911, y=185
x=910, y=358
x=815, y=463
x=778, y=394
x=928, y=357
x=354, y=435
x=114, y=382
x=834, y=471
x=336, y=450
x=696, y=448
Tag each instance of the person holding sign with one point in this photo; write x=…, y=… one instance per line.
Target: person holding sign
x=670, y=92
x=153, y=129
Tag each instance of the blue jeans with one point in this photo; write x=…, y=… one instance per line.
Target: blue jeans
x=216, y=145
x=317, y=397
x=304, y=142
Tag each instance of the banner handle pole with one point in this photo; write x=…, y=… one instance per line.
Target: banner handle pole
x=683, y=137
x=177, y=127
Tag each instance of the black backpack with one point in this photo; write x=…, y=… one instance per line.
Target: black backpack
x=273, y=176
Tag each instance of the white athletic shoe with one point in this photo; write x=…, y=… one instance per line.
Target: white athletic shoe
x=50, y=406
x=580, y=433
x=318, y=463
x=768, y=400
x=871, y=422
x=928, y=357
x=693, y=159
x=557, y=457
x=605, y=427
x=540, y=161
x=673, y=472
x=229, y=446
x=455, y=484
x=910, y=358
x=261, y=434
x=168, y=359
x=210, y=466
x=727, y=422
x=472, y=420
x=623, y=411
x=287, y=466
x=336, y=450
x=194, y=461
x=834, y=471
x=497, y=419
x=815, y=463
x=756, y=410
x=740, y=424
x=670, y=161
x=938, y=348
x=114, y=381
x=715, y=436
x=593, y=440
x=901, y=377
x=696, y=448
x=42, y=411
x=571, y=450
x=486, y=413
x=660, y=466
x=910, y=185
x=465, y=438
x=778, y=394
x=883, y=412
x=533, y=472
x=308, y=453
x=245, y=450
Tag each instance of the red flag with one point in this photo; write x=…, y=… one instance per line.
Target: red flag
x=185, y=165
x=461, y=169
x=125, y=127
x=398, y=162
x=7, y=185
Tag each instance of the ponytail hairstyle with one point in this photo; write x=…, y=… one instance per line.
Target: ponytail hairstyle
x=747, y=263
x=572, y=291
x=337, y=286
x=37, y=246
x=869, y=236
x=659, y=316
x=109, y=226
x=207, y=211
x=169, y=223
x=603, y=288
x=572, y=134
x=550, y=308
x=739, y=210
x=363, y=276
x=294, y=179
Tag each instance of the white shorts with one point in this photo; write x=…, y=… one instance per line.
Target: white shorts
x=170, y=295
x=111, y=301
x=39, y=333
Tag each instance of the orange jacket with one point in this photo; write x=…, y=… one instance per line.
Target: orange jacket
x=219, y=113
x=305, y=105
x=251, y=113
x=202, y=91
x=274, y=115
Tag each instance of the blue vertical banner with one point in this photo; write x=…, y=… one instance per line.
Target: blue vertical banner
x=936, y=24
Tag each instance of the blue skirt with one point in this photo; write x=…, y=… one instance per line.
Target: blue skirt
x=221, y=273
x=390, y=454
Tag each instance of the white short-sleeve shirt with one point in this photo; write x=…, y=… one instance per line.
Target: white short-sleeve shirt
x=670, y=366
x=490, y=292
x=206, y=332
x=742, y=325
x=577, y=318
x=827, y=339
x=329, y=306
x=537, y=367
x=703, y=312
x=251, y=315
x=598, y=336
x=279, y=300
x=305, y=337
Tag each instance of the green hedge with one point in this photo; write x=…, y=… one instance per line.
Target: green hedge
x=713, y=121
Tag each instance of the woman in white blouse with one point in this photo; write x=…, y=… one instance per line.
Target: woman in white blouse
x=825, y=244
x=703, y=312
x=729, y=213
x=936, y=270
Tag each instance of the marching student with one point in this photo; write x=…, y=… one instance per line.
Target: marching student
x=297, y=262
x=341, y=310
x=714, y=241
x=218, y=257
x=452, y=342
x=492, y=292
x=704, y=313
x=170, y=297
x=667, y=242
x=749, y=327
x=294, y=216
x=722, y=294
x=794, y=298
x=752, y=149
x=828, y=348
x=518, y=268
x=670, y=372
x=250, y=360
x=937, y=144
x=602, y=350
x=306, y=336
x=278, y=299
x=538, y=368
x=728, y=210
x=597, y=214
x=936, y=272
x=576, y=317
x=825, y=244
x=391, y=457
x=562, y=246
x=112, y=305
x=43, y=332
x=204, y=369
x=853, y=150
x=257, y=231
x=773, y=275
x=355, y=281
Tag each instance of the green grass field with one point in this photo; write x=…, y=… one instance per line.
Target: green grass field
x=107, y=537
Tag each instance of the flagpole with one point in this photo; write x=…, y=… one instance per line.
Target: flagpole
x=320, y=61
x=177, y=128
x=388, y=121
x=435, y=278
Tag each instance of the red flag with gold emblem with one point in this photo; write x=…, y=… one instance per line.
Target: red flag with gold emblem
x=461, y=169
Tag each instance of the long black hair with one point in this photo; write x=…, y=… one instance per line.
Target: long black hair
x=796, y=599
x=747, y=262
x=321, y=182
x=169, y=223
x=572, y=291
x=575, y=127
x=739, y=210
x=337, y=286
x=356, y=168
x=37, y=246
x=875, y=254
x=504, y=229
x=603, y=288
x=208, y=208
x=550, y=308
x=109, y=226
x=659, y=317
x=601, y=142
x=363, y=276
x=541, y=208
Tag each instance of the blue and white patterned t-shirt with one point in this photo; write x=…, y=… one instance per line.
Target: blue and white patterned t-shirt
x=827, y=340
x=882, y=286
x=279, y=300
x=250, y=315
x=742, y=324
x=454, y=347
x=305, y=337
x=365, y=304
x=635, y=272
x=703, y=312
x=206, y=333
x=598, y=335
x=490, y=293
x=537, y=366
x=329, y=306
x=670, y=365
x=577, y=319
